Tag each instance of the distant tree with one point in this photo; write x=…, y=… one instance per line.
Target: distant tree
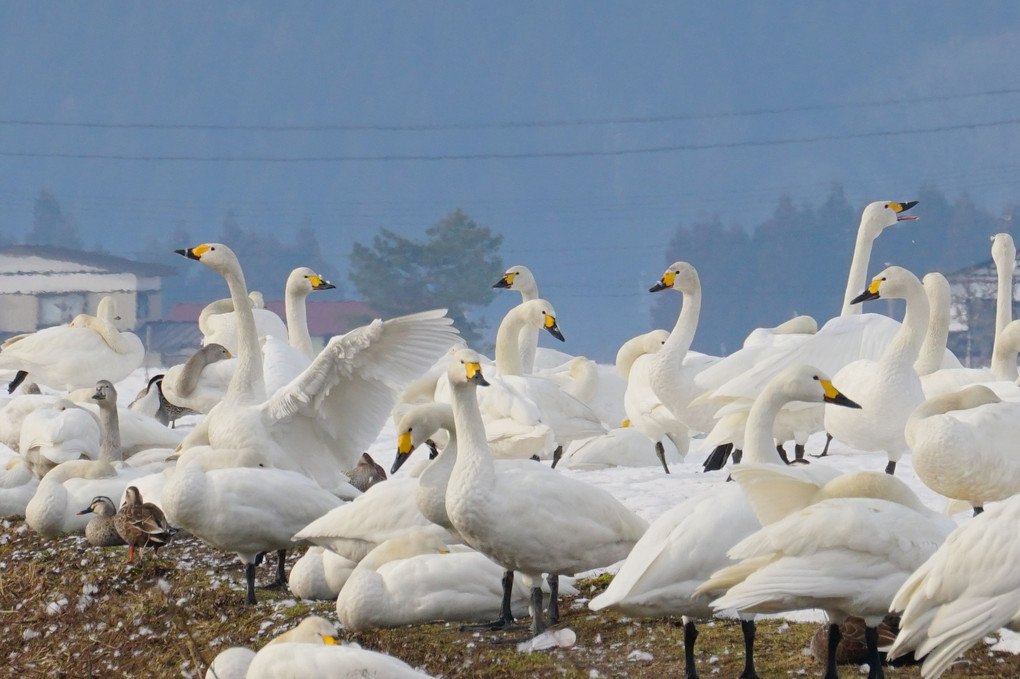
x=50, y=226
x=453, y=268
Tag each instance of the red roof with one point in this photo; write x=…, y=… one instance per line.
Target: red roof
x=325, y=319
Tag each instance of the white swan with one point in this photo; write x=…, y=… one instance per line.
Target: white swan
x=219, y=320
x=887, y=389
x=311, y=650
x=244, y=510
x=521, y=279
x=322, y=421
x=319, y=574
x=200, y=382
x=17, y=486
x=301, y=282
x=57, y=432
x=560, y=526
x=964, y=445
x=875, y=219
x=967, y=590
x=66, y=357
x=688, y=543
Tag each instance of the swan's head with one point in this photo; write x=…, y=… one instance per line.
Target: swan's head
x=515, y=278
x=417, y=426
x=1004, y=251
x=216, y=256
x=107, y=309
x=466, y=367
x=936, y=286
x=540, y=313
x=311, y=630
x=258, y=300
x=303, y=280
x=807, y=383
x=894, y=282
x=406, y=546
x=882, y=214
x=212, y=352
x=101, y=505
x=81, y=321
x=105, y=394
x=679, y=276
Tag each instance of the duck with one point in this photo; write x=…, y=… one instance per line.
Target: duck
x=964, y=445
x=312, y=650
x=966, y=590
x=200, y=382
x=141, y=524
x=520, y=278
x=100, y=531
x=322, y=420
x=67, y=357
x=366, y=473
x=572, y=526
x=687, y=544
x=889, y=388
x=416, y=578
x=845, y=555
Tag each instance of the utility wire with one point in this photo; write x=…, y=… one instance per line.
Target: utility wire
x=428, y=127
x=526, y=155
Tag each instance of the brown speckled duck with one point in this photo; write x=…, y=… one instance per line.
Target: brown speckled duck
x=367, y=473
x=100, y=531
x=141, y=524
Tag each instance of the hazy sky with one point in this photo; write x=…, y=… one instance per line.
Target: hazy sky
x=722, y=98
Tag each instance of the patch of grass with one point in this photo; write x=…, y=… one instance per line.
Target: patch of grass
x=71, y=610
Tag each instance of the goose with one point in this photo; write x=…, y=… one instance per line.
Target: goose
x=100, y=531
x=200, y=382
x=967, y=590
x=520, y=278
x=311, y=650
x=416, y=579
x=688, y=543
x=964, y=445
x=245, y=510
x=319, y=574
x=571, y=527
x=321, y=421
x=888, y=389
x=67, y=357
x=846, y=555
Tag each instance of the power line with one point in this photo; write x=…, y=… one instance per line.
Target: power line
x=438, y=127
x=526, y=155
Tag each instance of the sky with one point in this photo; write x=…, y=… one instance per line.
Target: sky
x=583, y=131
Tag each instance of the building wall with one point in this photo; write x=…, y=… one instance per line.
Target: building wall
x=18, y=313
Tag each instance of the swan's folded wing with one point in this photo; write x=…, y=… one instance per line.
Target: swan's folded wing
x=344, y=397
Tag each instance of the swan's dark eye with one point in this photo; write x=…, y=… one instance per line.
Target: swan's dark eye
x=815, y=377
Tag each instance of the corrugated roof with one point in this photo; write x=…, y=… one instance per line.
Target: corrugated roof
x=92, y=259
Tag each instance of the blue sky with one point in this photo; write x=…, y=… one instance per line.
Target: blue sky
x=592, y=228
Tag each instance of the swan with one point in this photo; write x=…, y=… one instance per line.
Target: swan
x=245, y=510
x=688, y=543
x=17, y=486
x=138, y=432
x=887, y=389
x=964, y=445
x=521, y=279
x=77, y=355
x=967, y=590
x=560, y=525
x=301, y=282
x=846, y=555
x=416, y=579
x=321, y=421
x=219, y=321
x=319, y=574
x=312, y=650
x=14, y=412
x=200, y=382
x=55, y=433
x=876, y=218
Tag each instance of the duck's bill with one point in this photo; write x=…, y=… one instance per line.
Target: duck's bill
x=87, y=510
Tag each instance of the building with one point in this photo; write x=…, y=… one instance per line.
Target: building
x=972, y=312
x=43, y=286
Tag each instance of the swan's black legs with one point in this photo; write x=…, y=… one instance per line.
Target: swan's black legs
x=660, y=452
x=798, y=451
x=718, y=457
x=874, y=659
x=890, y=468
x=782, y=453
x=537, y=620
x=281, y=573
x=825, y=450
x=978, y=510
x=249, y=576
x=554, y=595
x=690, y=636
x=506, y=617
x=830, y=663
x=557, y=454
x=747, y=627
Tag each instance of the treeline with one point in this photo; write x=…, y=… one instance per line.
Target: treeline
x=797, y=261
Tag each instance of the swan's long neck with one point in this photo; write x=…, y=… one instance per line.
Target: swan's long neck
x=474, y=459
x=759, y=443
x=297, y=321
x=934, y=347
x=109, y=448
x=247, y=385
x=957, y=400
x=508, y=343
x=676, y=346
x=1007, y=345
x=1003, y=360
x=906, y=344
x=108, y=331
x=191, y=373
x=857, y=280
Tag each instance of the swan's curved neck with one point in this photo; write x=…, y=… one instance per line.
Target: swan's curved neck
x=625, y=357
x=109, y=333
x=933, y=349
x=109, y=448
x=439, y=471
x=508, y=343
x=474, y=459
x=759, y=443
x=1007, y=345
x=247, y=385
x=905, y=346
x=1003, y=359
x=297, y=321
x=528, y=292
x=676, y=346
x=191, y=373
x=857, y=280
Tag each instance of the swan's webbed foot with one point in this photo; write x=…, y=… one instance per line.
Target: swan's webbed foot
x=890, y=468
x=825, y=450
x=506, y=616
x=782, y=453
x=747, y=627
x=537, y=621
x=830, y=664
x=660, y=452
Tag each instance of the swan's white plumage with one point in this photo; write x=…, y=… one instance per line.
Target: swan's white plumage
x=319, y=574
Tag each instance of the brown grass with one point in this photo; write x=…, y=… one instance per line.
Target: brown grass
x=71, y=610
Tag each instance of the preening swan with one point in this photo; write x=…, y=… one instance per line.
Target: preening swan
x=559, y=526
